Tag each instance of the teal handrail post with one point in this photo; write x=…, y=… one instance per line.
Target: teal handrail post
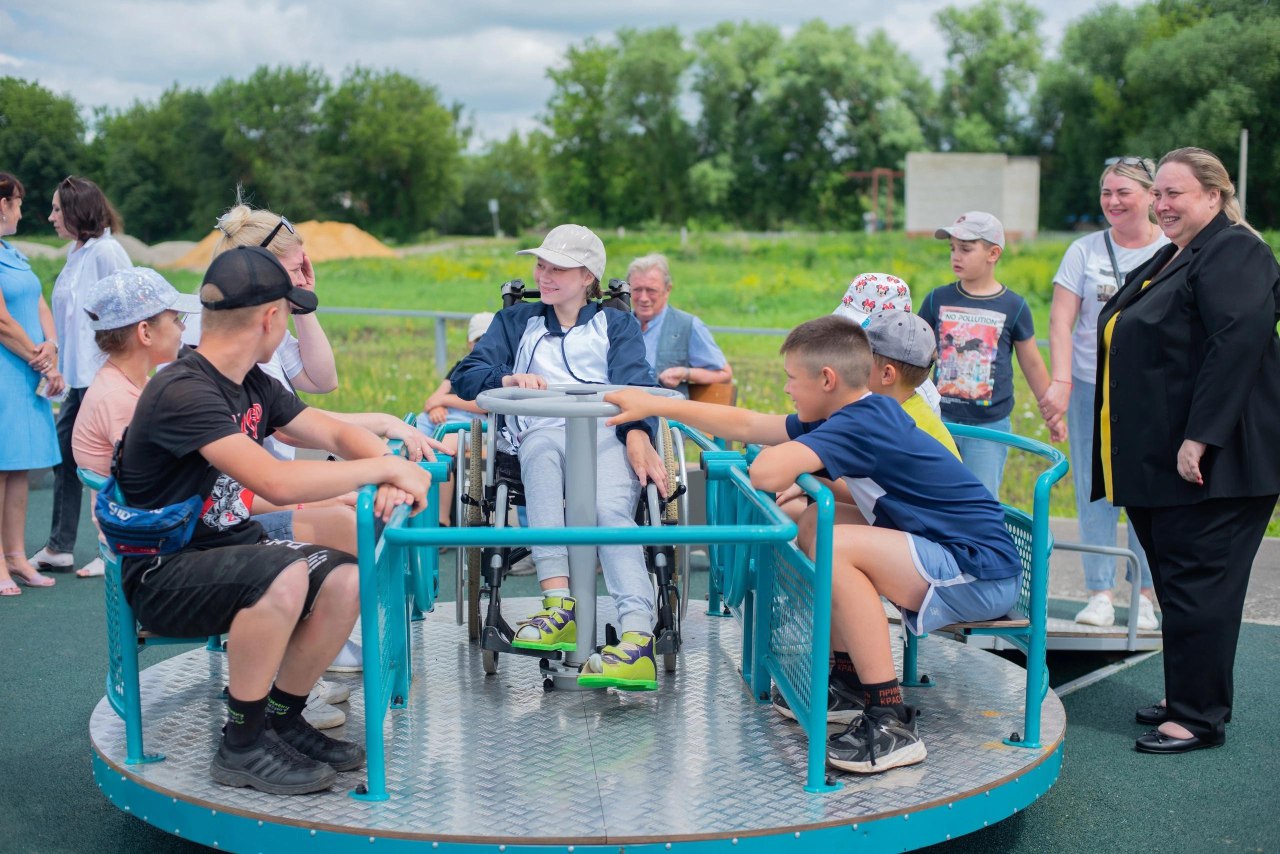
x=819, y=669
x=1041, y=549
x=384, y=632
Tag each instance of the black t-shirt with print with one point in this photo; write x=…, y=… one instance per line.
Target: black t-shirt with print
x=185, y=407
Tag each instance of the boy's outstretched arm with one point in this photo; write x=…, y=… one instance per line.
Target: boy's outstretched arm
x=727, y=422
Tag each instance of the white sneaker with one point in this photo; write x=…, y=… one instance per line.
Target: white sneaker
x=1147, y=620
x=45, y=559
x=322, y=715
x=350, y=659
x=93, y=569
x=331, y=692
x=1098, y=612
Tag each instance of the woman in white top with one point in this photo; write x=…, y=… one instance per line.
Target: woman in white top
x=1091, y=272
x=81, y=213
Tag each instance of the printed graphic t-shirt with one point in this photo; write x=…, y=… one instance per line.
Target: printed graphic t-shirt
x=975, y=350
x=185, y=407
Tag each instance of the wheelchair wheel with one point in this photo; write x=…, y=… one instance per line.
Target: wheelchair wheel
x=490, y=662
x=475, y=518
x=672, y=514
x=673, y=602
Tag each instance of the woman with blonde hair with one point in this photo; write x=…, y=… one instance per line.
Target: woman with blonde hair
x=1186, y=435
x=1091, y=272
x=81, y=213
x=306, y=363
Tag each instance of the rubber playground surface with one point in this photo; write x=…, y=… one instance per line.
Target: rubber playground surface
x=1109, y=797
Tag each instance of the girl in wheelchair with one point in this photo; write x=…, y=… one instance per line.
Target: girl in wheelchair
x=570, y=338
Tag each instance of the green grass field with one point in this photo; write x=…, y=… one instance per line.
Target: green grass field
x=771, y=281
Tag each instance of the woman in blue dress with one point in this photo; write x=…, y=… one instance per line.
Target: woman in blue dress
x=28, y=353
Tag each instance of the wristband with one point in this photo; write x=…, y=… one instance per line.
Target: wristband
x=299, y=507
x=1060, y=382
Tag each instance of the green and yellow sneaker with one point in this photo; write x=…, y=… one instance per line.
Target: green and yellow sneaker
x=629, y=665
x=554, y=627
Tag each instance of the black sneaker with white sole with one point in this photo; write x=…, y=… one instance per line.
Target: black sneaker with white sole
x=271, y=766
x=843, y=705
x=876, y=742
x=310, y=742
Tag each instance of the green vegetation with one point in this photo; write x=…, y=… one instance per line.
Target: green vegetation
x=738, y=125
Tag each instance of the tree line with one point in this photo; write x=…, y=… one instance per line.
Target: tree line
x=738, y=125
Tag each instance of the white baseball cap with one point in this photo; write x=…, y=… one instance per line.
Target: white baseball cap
x=870, y=293
x=131, y=295
x=478, y=325
x=571, y=246
x=974, y=225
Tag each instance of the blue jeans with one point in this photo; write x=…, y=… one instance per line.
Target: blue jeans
x=986, y=459
x=1097, y=519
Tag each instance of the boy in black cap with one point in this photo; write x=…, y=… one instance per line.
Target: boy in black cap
x=287, y=607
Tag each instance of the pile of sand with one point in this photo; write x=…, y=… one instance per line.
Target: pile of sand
x=324, y=241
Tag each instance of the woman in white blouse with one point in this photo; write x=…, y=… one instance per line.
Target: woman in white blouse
x=81, y=213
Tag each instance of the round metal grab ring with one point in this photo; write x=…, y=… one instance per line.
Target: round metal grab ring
x=559, y=401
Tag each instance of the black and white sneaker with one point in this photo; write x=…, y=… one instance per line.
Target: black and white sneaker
x=310, y=742
x=271, y=766
x=876, y=742
x=843, y=705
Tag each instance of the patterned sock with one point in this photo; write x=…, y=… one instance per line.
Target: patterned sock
x=283, y=707
x=888, y=695
x=843, y=671
x=245, y=721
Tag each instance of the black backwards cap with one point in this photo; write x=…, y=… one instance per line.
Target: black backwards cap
x=250, y=275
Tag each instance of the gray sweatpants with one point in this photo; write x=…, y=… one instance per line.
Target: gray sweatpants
x=541, y=455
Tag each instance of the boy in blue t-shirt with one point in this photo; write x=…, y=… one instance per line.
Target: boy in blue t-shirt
x=934, y=541
x=980, y=325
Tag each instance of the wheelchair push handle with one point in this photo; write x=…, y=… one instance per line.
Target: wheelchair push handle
x=559, y=401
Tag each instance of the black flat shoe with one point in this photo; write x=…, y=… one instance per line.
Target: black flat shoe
x=1152, y=715
x=1157, y=742
x=1158, y=714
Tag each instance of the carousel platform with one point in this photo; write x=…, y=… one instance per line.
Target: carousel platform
x=485, y=763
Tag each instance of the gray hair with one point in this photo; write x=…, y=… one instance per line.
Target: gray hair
x=655, y=261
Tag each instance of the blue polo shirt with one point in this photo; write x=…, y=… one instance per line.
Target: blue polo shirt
x=904, y=479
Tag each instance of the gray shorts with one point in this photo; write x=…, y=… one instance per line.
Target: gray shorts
x=955, y=596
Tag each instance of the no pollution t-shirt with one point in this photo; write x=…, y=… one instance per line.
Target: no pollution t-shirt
x=976, y=334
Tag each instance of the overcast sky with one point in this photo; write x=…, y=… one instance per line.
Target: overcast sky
x=491, y=55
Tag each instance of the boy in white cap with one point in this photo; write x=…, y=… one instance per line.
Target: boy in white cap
x=568, y=337
x=137, y=320
x=443, y=405
x=980, y=324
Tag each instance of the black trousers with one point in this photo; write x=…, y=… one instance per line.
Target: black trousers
x=67, y=490
x=1201, y=556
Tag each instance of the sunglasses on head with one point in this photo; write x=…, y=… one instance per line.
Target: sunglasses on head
x=283, y=223
x=1140, y=162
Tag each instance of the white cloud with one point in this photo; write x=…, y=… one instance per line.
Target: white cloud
x=490, y=55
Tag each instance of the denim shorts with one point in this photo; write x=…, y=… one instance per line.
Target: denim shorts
x=955, y=596
x=276, y=525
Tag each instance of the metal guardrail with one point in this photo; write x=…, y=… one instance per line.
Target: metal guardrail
x=441, y=317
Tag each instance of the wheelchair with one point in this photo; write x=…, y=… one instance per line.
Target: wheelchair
x=488, y=488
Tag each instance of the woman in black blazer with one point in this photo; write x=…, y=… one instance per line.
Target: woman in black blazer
x=1187, y=432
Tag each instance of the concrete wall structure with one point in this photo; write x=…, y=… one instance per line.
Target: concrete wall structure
x=941, y=186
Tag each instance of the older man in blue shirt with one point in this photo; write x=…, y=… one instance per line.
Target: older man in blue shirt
x=678, y=345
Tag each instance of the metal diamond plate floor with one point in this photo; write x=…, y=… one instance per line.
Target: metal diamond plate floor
x=495, y=759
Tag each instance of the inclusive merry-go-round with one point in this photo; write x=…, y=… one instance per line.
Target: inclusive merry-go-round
x=474, y=746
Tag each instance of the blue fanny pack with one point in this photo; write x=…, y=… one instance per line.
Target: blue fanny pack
x=131, y=532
